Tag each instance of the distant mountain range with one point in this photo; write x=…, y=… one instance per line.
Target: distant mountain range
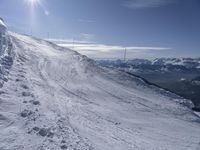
x=178, y=75
x=159, y=64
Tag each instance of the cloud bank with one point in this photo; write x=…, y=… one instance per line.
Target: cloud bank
x=86, y=21
x=139, y=4
x=95, y=50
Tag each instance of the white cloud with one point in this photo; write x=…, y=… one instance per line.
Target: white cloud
x=95, y=50
x=138, y=4
x=86, y=36
x=68, y=41
x=86, y=20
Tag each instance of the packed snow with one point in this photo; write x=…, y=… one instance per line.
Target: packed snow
x=54, y=98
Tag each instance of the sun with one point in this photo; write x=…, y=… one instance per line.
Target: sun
x=33, y=3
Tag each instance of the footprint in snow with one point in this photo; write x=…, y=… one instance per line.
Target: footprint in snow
x=25, y=113
x=26, y=94
x=24, y=86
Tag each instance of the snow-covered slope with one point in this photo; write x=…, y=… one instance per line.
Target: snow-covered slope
x=6, y=53
x=55, y=98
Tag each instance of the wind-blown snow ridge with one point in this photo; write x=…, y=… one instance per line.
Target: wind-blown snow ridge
x=6, y=53
x=2, y=26
x=54, y=98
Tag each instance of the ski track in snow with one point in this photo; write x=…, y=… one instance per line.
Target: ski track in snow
x=57, y=99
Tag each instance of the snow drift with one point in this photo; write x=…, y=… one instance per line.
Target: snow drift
x=3, y=27
x=3, y=37
x=53, y=98
x=6, y=54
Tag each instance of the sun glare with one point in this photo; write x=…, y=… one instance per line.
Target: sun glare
x=33, y=3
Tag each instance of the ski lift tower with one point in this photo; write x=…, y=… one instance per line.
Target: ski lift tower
x=125, y=54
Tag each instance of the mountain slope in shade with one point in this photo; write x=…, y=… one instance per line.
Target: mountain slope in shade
x=54, y=98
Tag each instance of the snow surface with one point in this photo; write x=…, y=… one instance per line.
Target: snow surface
x=54, y=98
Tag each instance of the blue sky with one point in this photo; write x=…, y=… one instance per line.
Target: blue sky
x=102, y=28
